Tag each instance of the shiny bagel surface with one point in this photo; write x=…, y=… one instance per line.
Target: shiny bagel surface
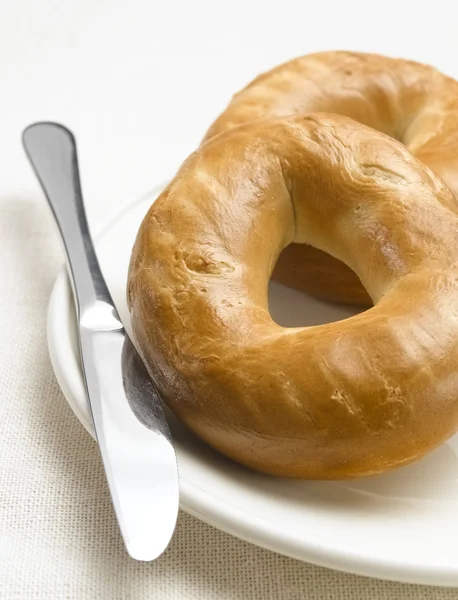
x=409, y=101
x=346, y=399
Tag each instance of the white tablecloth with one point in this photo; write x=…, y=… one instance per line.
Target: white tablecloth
x=138, y=84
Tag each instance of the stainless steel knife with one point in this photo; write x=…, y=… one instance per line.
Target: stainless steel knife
x=132, y=431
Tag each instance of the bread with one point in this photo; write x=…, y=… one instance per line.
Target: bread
x=345, y=399
x=408, y=101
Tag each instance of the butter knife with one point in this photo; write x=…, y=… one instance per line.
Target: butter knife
x=131, y=428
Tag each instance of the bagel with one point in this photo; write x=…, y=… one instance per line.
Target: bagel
x=408, y=101
x=345, y=399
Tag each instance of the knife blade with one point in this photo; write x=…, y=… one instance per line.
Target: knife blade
x=131, y=428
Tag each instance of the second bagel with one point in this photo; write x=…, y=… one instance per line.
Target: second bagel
x=409, y=101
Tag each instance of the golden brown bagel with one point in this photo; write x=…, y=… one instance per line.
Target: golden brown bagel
x=345, y=399
x=411, y=102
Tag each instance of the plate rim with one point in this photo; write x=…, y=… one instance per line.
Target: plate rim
x=200, y=503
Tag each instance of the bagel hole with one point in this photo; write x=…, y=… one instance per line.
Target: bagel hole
x=310, y=287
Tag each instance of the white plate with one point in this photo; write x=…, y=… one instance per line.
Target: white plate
x=402, y=525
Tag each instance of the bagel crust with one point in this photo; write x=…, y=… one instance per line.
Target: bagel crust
x=408, y=101
x=345, y=399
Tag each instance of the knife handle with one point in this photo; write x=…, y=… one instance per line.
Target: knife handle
x=51, y=149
